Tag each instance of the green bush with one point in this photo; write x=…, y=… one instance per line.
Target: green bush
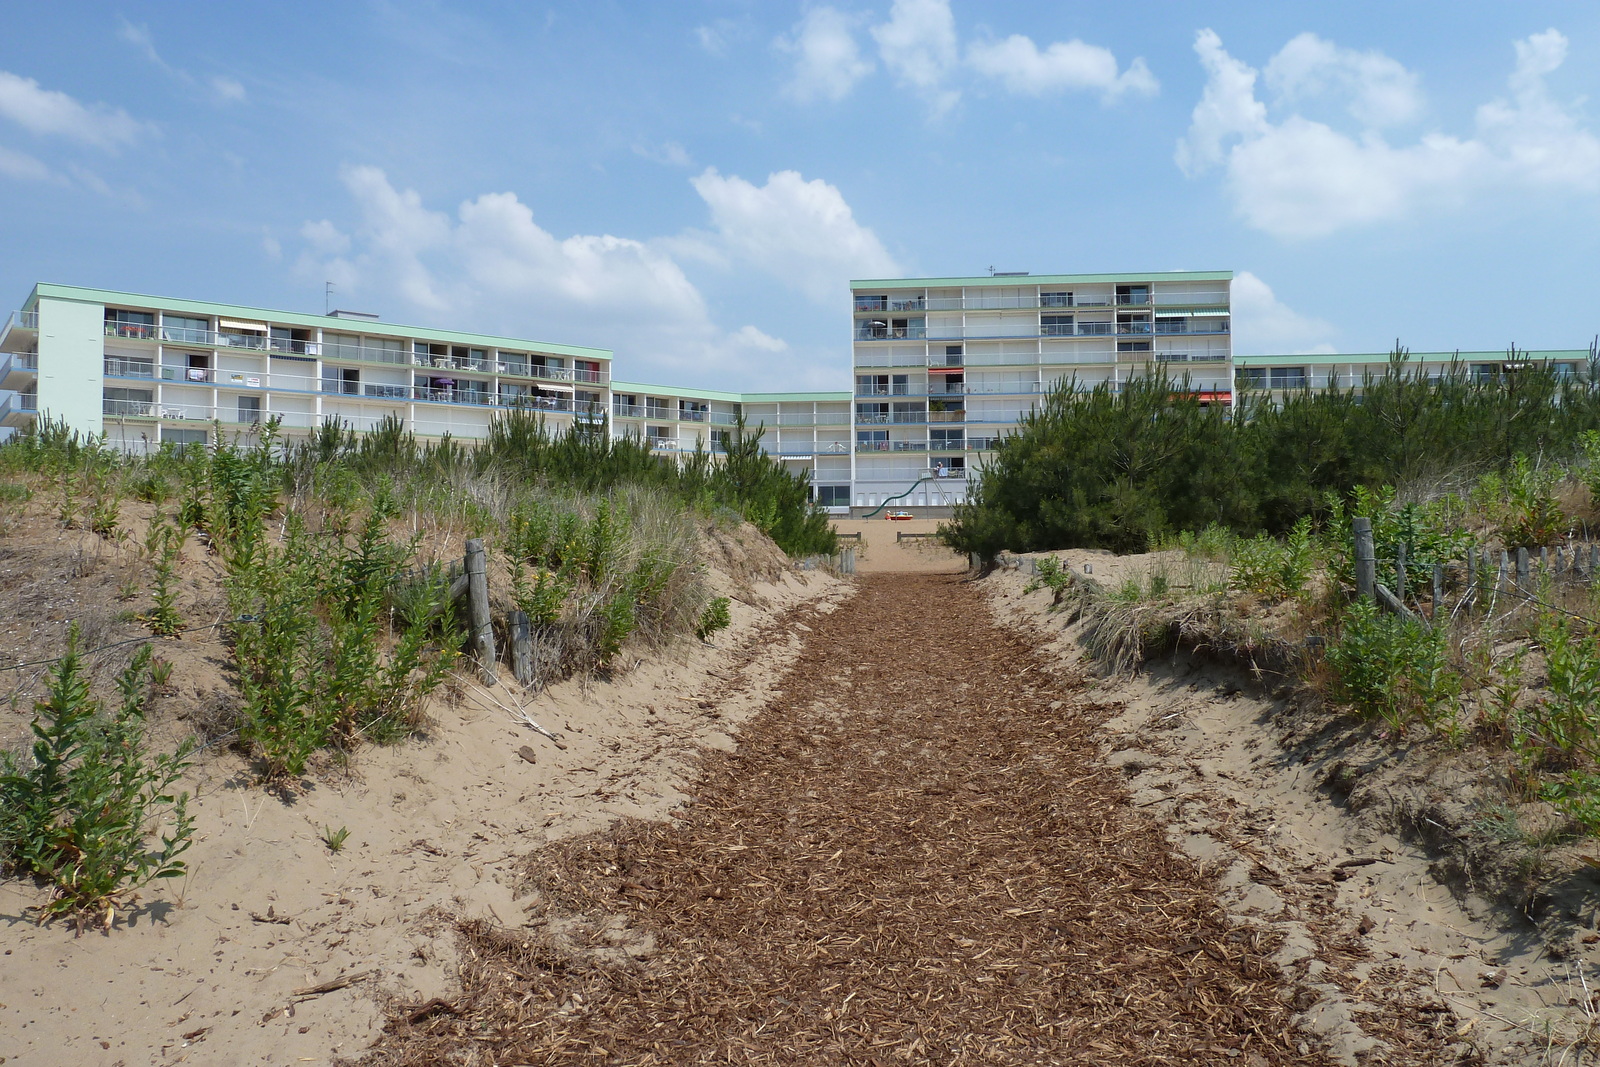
x=713, y=617
x=79, y=811
x=1393, y=668
x=1269, y=567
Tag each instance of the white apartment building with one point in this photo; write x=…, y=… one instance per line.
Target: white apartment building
x=145, y=370
x=946, y=366
x=943, y=367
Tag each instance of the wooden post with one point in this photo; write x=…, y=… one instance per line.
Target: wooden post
x=1594, y=560
x=1505, y=569
x=1522, y=571
x=1561, y=562
x=521, y=648
x=1400, y=570
x=1366, y=562
x=1438, y=588
x=478, y=610
x=1544, y=559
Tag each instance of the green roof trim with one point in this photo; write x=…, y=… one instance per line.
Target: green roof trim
x=292, y=318
x=1323, y=358
x=1042, y=279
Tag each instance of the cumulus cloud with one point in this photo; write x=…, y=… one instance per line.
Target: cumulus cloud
x=51, y=113
x=802, y=232
x=828, y=62
x=492, y=262
x=1263, y=323
x=1019, y=65
x=918, y=45
x=1297, y=177
x=1376, y=90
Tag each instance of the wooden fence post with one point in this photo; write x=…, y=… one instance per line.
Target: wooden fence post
x=521, y=648
x=478, y=610
x=1438, y=588
x=1400, y=570
x=1366, y=562
x=1522, y=571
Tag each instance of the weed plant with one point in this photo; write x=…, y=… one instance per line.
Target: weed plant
x=79, y=809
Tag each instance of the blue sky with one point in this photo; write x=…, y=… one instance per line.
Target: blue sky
x=693, y=184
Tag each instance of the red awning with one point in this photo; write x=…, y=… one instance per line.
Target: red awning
x=946, y=370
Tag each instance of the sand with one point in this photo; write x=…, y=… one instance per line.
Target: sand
x=207, y=970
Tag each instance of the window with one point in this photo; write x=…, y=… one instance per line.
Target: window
x=128, y=402
x=833, y=496
x=250, y=409
x=952, y=355
x=872, y=440
x=872, y=303
x=185, y=330
x=342, y=345
x=1055, y=300
x=624, y=404
x=872, y=412
x=900, y=384
x=283, y=339
x=1055, y=325
x=1133, y=294
x=951, y=439
x=872, y=385
x=345, y=380
x=135, y=325
x=655, y=408
x=1288, y=377
x=182, y=437
x=126, y=367
x=513, y=363
x=1251, y=377
x=692, y=410
x=1485, y=372
x=1133, y=346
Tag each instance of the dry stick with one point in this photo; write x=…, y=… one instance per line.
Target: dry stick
x=517, y=715
x=329, y=987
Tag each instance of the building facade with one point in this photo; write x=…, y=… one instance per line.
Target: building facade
x=942, y=369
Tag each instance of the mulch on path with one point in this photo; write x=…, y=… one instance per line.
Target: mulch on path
x=915, y=855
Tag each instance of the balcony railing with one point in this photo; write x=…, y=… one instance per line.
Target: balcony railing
x=892, y=333
x=28, y=401
x=1187, y=326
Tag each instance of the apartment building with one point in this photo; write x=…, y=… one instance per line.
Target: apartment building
x=944, y=367
x=1274, y=376
x=145, y=370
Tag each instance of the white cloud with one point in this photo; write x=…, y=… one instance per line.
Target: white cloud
x=715, y=36
x=1017, y=63
x=223, y=89
x=227, y=89
x=801, y=232
x=23, y=166
x=1298, y=178
x=1377, y=90
x=493, y=263
x=1263, y=323
x=828, y=62
x=670, y=153
x=918, y=45
x=52, y=113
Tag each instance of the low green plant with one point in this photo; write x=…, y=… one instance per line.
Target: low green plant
x=105, y=509
x=1566, y=722
x=79, y=809
x=160, y=673
x=1268, y=567
x=335, y=839
x=1393, y=668
x=1521, y=503
x=1050, y=573
x=713, y=617
x=163, y=617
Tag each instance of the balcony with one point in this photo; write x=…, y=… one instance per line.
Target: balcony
x=892, y=333
x=1126, y=329
x=17, y=324
x=18, y=369
x=947, y=416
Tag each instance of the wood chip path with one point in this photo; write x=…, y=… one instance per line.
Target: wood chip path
x=915, y=855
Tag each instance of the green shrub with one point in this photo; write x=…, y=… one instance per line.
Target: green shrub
x=80, y=810
x=1521, y=504
x=1393, y=668
x=713, y=617
x=163, y=618
x=1268, y=567
x=1565, y=724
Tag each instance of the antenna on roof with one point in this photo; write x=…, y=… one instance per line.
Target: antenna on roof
x=327, y=297
x=991, y=270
